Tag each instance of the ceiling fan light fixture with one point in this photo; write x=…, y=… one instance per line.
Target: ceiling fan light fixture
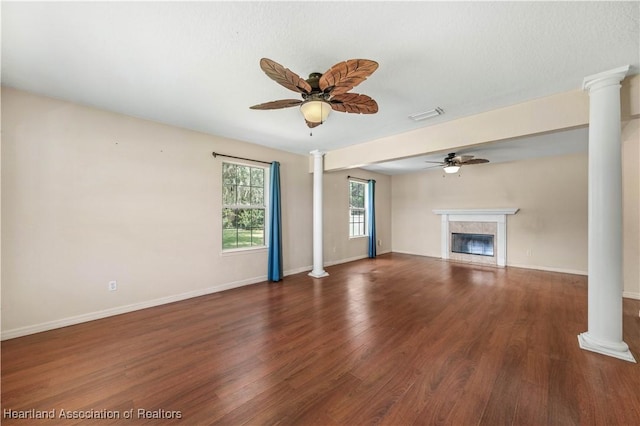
x=315, y=111
x=451, y=168
x=323, y=92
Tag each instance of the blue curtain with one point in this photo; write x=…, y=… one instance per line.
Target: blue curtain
x=274, y=269
x=371, y=209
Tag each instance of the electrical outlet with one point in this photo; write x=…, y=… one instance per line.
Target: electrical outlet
x=379, y=243
x=113, y=285
x=529, y=252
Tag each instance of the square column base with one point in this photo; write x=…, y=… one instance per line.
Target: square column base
x=320, y=274
x=620, y=351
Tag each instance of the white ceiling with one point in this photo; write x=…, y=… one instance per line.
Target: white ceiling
x=196, y=65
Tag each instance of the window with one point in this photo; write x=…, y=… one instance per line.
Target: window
x=243, y=206
x=357, y=209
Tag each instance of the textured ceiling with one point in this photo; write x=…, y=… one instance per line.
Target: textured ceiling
x=196, y=65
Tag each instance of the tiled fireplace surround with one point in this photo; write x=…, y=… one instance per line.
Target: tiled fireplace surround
x=475, y=221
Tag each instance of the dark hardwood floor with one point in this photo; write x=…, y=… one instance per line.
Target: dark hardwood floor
x=398, y=340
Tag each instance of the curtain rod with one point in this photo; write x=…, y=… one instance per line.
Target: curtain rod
x=353, y=177
x=215, y=154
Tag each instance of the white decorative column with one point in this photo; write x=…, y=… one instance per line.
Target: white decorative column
x=318, y=169
x=604, y=333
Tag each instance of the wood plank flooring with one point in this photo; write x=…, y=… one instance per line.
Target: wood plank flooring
x=399, y=340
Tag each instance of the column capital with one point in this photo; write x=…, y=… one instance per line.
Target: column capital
x=606, y=78
x=317, y=153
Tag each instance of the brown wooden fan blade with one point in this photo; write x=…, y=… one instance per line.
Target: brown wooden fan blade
x=283, y=103
x=475, y=161
x=284, y=76
x=312, y=125
x=354, y=103
x=346, y=75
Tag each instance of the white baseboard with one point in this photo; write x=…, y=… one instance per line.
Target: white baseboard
x=416, y=254
x=515, y=265
x=409, y=252
x=626, y=294
x=549, y=269
x=91, y=316
x=351, y=259
x=631, y=295
x=297, y=270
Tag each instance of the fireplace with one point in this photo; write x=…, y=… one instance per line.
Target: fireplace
x=483, y=235
x=477, y=244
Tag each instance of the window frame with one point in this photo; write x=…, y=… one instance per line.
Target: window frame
x=364, y=209
x=265, y=207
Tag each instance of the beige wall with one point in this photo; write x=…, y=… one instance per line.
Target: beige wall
x=549, y=231
x=337, y=244
x=90, y=196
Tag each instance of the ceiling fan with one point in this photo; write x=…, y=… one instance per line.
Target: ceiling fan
x=323, y=92
x=453, y=162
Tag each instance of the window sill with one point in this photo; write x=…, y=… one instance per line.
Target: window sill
x=240, y=251
x=358, y=237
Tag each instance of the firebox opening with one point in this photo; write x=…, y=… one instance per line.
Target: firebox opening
x=478, y=244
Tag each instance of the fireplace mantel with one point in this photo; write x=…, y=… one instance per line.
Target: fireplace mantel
x=499, y=216
x=476, y=211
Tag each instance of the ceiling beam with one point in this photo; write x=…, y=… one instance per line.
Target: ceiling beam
x=562, y=111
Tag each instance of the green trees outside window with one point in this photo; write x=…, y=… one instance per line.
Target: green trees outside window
x=357, y=209
x=243, y=206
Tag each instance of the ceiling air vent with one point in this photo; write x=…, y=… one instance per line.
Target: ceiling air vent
x=427, y=114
